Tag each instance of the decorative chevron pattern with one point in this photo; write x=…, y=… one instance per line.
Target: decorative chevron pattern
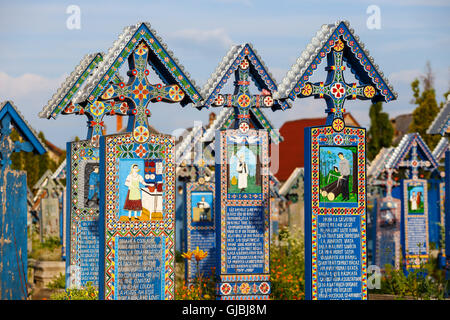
x=244, y=287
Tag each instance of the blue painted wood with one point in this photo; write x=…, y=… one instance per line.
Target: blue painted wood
x=335, y=229
x=13, y=235
x=414, y=238
x=180, y=217
x=372, y=231
x=243, y=221
x=68, y=205
x=13, y=204
x=434, y=217
x=24, y=129
x=387, y=239
x=447, y=210
x=308, y=216
x=199, y=232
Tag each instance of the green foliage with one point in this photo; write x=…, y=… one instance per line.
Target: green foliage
x=381, y=131
x=427, y=282
x=85, y=293
x=35, y=165
x=203, y=288
x=48, y=250
x=59, y=282
x=178, y=257
x=427, y=108
x=287, y=267
x=442, y=236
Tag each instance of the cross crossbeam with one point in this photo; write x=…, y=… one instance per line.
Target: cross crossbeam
x=335, y=90
x=414, y=163
x=242, y=100
x=96, y=112
x=138, y=93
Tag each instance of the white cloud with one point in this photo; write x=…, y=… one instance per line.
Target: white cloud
x=27, y=85
x=205, y=37
x=405, y=76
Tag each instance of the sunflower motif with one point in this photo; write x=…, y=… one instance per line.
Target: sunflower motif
x=243, y=101
x=141, y=49
x=141, y=134
x=175, y=93
x=339, y=46
x=97, y=108
x=307, y=89
x=338, y=124
x=245, y=288
x=369, y=92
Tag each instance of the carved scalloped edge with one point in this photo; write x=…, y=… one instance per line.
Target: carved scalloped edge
x=3, y=103
x=189, y=141
x=114, y=52
x=310, y=53
x=219, y=72
x=379, y=162
x=393, y=160
x=440, y=148
x=68, y=83
x=225, y=64
x=441, y=119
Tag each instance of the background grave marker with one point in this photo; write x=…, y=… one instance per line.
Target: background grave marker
x=13, y=204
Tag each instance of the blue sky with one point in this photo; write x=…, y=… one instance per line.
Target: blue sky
x=38, y=51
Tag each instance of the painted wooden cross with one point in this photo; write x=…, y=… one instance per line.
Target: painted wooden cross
x=388, y=181
x=335, y=90
x=242, y=100
x=414, y=163
x=139, y=92
x=7, y=146
x=96, y=112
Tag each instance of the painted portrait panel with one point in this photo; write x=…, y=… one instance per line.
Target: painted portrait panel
x=202, y=208
x=91, y=185
x=140, y=189
x=416, y=199
x=338, y=174
x=244, y=174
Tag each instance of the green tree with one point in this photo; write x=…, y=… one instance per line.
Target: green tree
x=427, y=107
x=35, y=165
x=381, y=131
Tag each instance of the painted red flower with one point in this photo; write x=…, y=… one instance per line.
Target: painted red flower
x=337, y=90
x=140, y=92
